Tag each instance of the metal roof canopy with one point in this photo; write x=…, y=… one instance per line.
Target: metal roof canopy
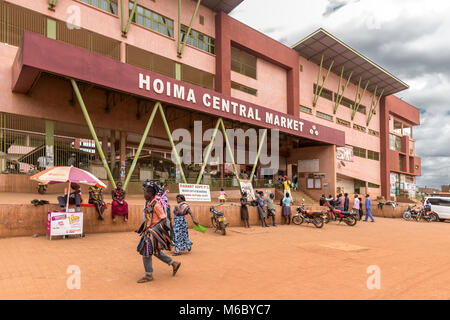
x=221, y=5
x=321, y=43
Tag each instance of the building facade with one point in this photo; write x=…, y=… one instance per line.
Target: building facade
x=126, y=72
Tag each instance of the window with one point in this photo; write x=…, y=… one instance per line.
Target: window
x=199, y=40
x=395, y=143
x=374, y=186
x=314, y=183
x=397, y=127
x=241, y=87
x=150, y=61
x=243, y=62
x=106, y=5
x=196, y=76
x=373, y=155
x=202, y=20
x=374, y=133
x=15, y=19
x=324, y=116
x=359, y=128
x=359, y=152
x=347, y=103
x=152, y=20
x=306, y=109
x=327, y=94
x=343, y=122
x=407, y=131
x=401, y=161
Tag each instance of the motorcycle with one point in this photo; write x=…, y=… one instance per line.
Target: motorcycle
x=333, y=214
x=308, y=217
x=42, y=188
x=427, y=215
x=411, y=213
x=218, y=220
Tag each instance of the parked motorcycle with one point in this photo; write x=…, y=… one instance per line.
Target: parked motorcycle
x=333, y=214
x=308, y=217
x=42, y=188
x=411, y=213
x=218, y=220
x=427, y=215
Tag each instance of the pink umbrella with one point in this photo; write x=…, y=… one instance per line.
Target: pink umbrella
x=67, y=175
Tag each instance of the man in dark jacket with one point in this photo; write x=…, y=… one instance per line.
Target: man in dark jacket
x=346, y=202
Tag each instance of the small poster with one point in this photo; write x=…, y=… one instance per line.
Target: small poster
x=344, y=154
x=195, y=192
x=246, y=186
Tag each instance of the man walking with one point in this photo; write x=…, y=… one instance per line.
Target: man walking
x=356, y=205
x=368, y=209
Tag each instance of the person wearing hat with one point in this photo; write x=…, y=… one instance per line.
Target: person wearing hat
x=155, y=233
x=286, y=185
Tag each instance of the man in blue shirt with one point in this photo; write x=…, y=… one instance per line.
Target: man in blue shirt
x=368, y=209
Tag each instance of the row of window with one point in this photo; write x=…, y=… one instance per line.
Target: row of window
x=241, y=87
x=364, y=153
x=159, y=23
x=340, y=121
x=330, y=95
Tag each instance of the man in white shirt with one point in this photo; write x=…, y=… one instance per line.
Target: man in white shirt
x=356, y=204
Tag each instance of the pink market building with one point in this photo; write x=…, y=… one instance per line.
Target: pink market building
x=128, y=68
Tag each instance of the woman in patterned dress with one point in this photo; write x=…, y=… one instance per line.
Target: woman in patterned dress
x=181, y=235
x=96, y=198
x=119, y=206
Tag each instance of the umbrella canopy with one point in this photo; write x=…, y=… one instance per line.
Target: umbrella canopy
x=67, y=174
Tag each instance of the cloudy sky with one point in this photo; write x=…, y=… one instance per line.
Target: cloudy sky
x=409, y=38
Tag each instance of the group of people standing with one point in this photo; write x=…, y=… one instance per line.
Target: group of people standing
x=266, y=208
x=342, y=202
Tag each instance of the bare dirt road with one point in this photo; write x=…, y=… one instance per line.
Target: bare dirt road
x=286, y=262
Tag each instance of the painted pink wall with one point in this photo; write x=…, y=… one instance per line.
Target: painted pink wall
x=327, y=166
x=271, y=85
x=307, y=79
x=109, y=25
x=363, y=169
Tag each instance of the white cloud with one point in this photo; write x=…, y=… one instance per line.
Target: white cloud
x=406, y=37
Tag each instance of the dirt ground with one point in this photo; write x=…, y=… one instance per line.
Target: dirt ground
x=285, y=262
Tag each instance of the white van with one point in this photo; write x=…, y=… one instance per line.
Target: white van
x=440, y=205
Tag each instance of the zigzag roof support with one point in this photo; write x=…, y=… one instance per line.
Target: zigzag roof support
x=358, y=101
x=339, y=97
x=373, y=105
x=317, y=91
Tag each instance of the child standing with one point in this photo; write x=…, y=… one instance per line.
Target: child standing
x=222, y=196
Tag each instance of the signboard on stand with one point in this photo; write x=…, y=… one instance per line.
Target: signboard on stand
x=246, y=186
x=195, y=192
x=61, y=223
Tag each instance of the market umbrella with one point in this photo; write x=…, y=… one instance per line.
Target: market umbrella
x=67, y=175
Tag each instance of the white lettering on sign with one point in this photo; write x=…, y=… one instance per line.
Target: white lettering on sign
x=227, y=106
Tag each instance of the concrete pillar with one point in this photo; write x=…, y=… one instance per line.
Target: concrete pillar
x=123, y=52
x=49, y=143
x=123, y=154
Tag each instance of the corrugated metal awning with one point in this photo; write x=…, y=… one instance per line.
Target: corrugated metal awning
x=221, y=5
x=323, y=43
